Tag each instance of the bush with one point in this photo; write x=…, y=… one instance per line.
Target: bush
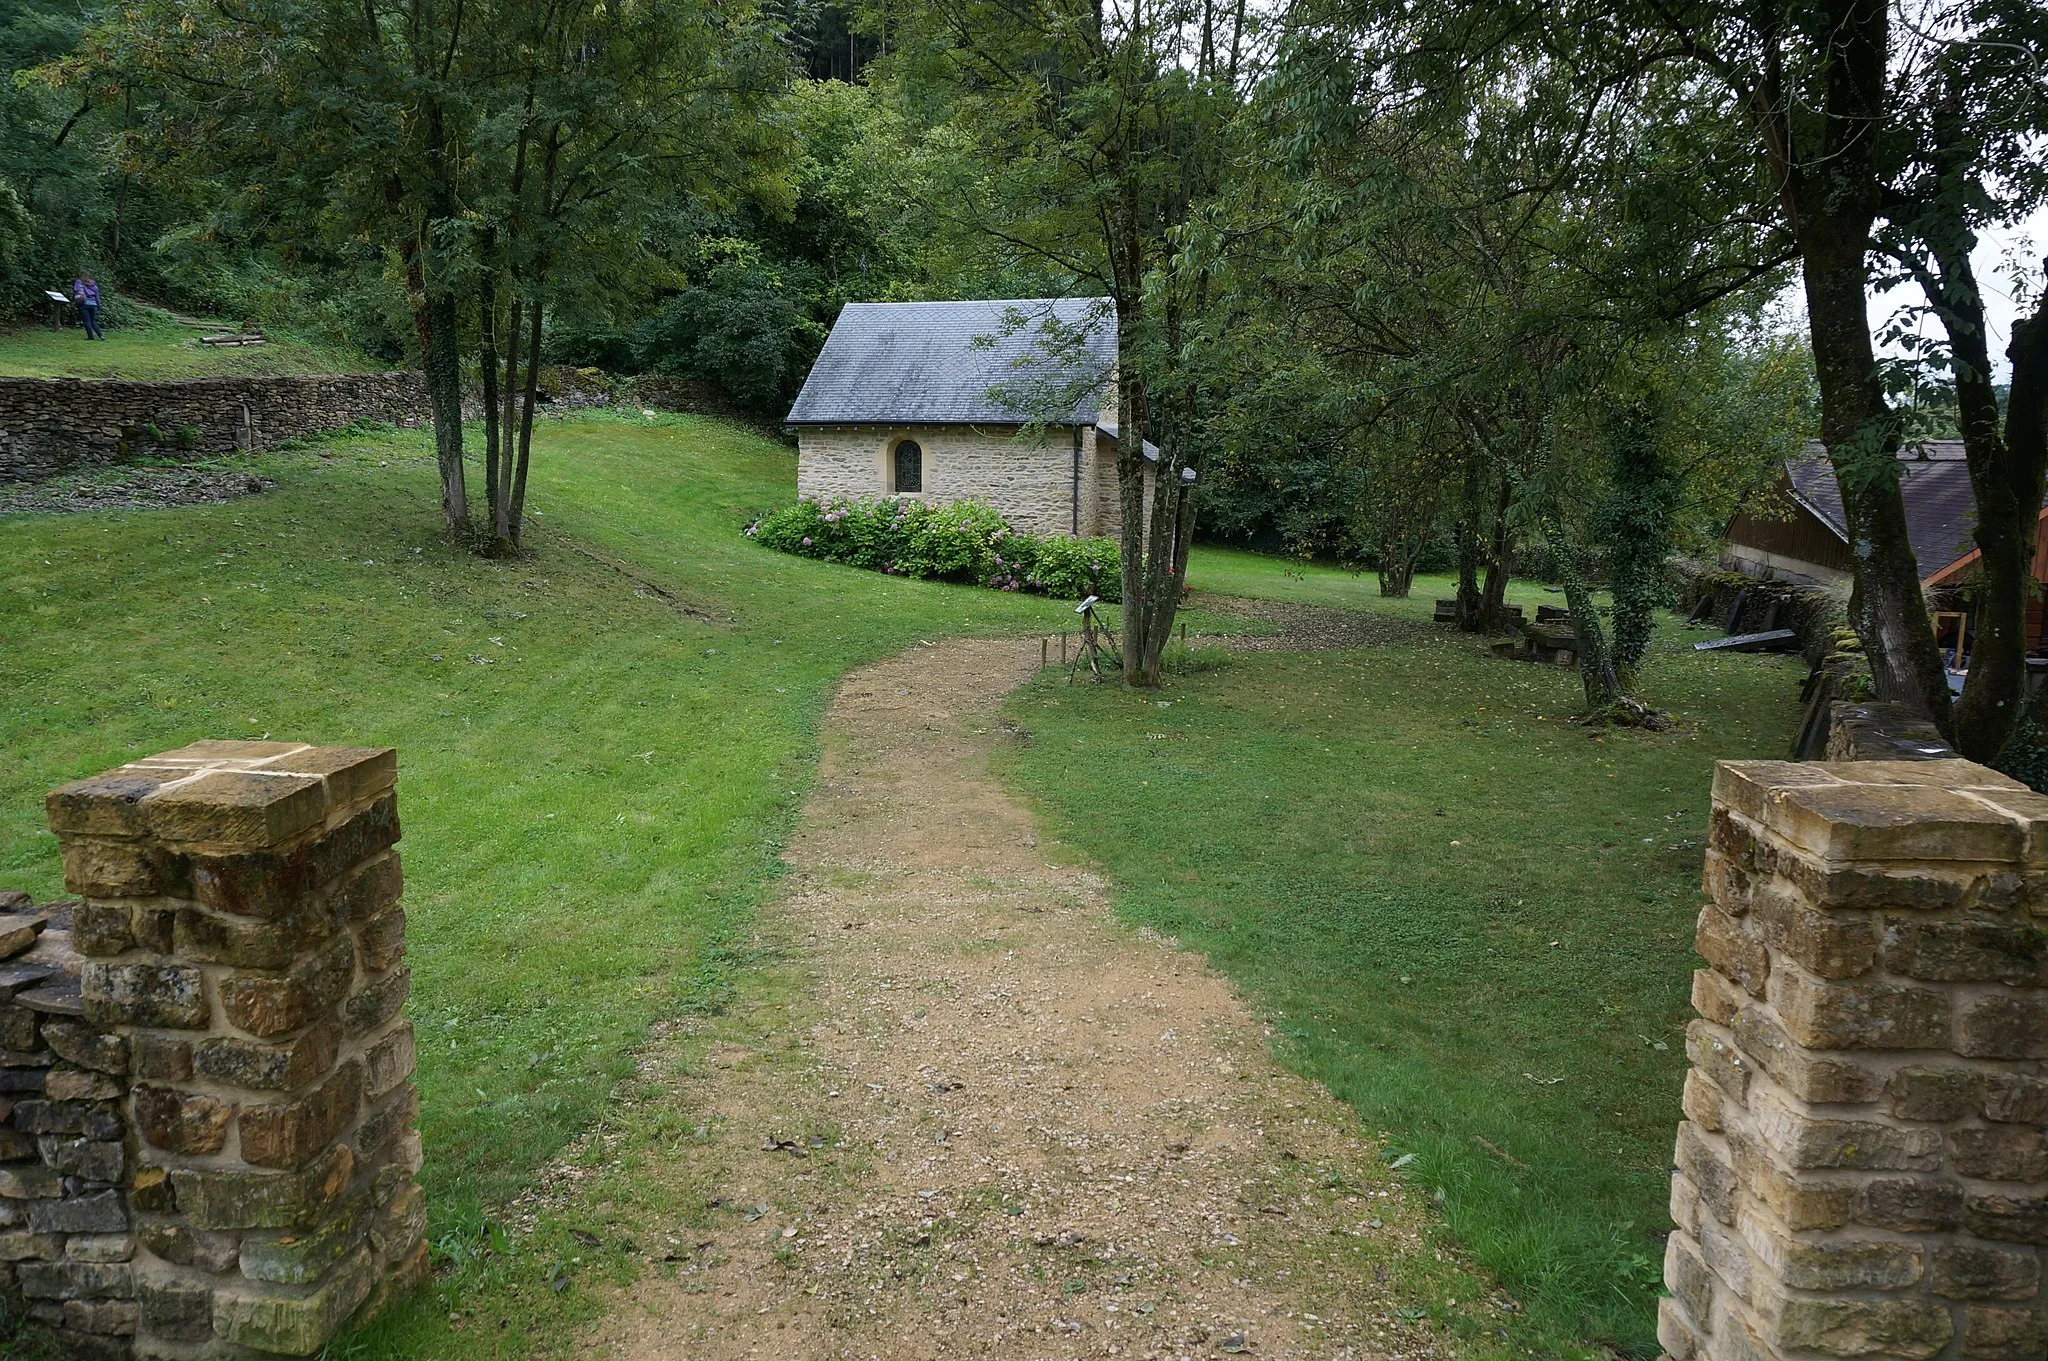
x=966, y=541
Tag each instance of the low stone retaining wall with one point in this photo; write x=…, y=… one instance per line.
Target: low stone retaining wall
x=209, y=1147
x=1863, y=1166
x=1881, y=731
x=52, y=425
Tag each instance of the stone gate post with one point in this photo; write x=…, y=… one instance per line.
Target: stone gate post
x=1863, y=1166
x=242, y=966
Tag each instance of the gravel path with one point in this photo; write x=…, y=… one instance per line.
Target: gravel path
x=132, y=488
x=985, y=1120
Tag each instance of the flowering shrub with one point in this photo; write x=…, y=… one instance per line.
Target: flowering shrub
x=959, y=541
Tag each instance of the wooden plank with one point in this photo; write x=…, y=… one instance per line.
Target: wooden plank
x=1772, y=640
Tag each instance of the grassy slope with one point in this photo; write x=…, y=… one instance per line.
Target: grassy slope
x=1471, y=917
x=594, y=785
x=1232, y=571
x=149, y=344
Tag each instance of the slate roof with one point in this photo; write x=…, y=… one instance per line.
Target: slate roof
x=934, y=363
x=1941, y=510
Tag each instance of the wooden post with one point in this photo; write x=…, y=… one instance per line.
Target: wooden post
x=1044, y=644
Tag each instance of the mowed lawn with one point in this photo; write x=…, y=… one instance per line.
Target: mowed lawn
x=147, y=343
x=593, y=784
x=1469, y=916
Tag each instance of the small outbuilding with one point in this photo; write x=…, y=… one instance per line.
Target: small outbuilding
x=1008, y=402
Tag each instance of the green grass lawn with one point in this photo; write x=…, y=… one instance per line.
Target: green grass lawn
x=148, y=343
x=594, y=784
x=1233, y=571
x=1469, y=916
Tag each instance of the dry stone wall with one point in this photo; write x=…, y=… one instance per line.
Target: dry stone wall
x=225, y=1157
x=53, y=425
x=1863, y=1166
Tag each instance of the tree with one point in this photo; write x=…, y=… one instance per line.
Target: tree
x=496, y=155
x=1093, y=141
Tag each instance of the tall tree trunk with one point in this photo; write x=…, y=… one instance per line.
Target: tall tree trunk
x=1493, y=598
x=501, y=509
x=434, y=325
x=530, y=397
x=1470, y=508
x=1861, y=433
x=487, y=366
x=2026, y=420
x=2007, y=483
x=1597, y=676
x=1640, y=507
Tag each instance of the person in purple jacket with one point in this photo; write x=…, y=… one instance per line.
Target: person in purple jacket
x=86, y=292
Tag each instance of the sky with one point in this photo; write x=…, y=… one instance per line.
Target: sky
x=2027, y=239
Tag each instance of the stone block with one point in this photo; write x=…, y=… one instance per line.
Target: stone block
x=1715, y=998
x=302, y=1256
x=370, y=832
x=17, y=1082
x=162, y=1058
x=153, y=928
x=191, y=1123
x=151, y=1192
x=1909, y=1204
x=1709, y=1169
x=368, y=891
x=100, y=929
x=1937, y=1094
x=290, y=1134
x=106, y=868
x=1749, y=787
x=98, y=1212
x=1834, y=1263
x=1859, y=1015
x=169, y=995
x=105, y=805
x=87, y=1046
x=1701, y=1101
x=1912, y=1327
x=1810, y=1076
x=20, y=1245
x=175, y=1311
x=1714, y=1057
x=1875, y=823
x=18, y=1027
x=93, y=1120
x=1828, y=944
x=112, y=1318
x=2017, y=1099
x=382, y=940
x=1974, y=1271
x=272, y=1004
x=1967, y=951
x=2004, y=1026
x=66, y=1083
x=297, y=1323
x=258, y=1066
x=2008, y=1218
x=1806, y=1142
x=76, y=1280
x=1995, y=1334
x=236, y=809
x=2000, y=1152
x=94, y=1160
x=182, y=1245
x=354, y=775
x=2028, y=810
x=207, y=938
x=387, y=1121
x=30, y=1181
x=265, y=885
x=400, y=1225
x=390, y=1061
x=1737, y=955
x=100, y=1247
x=377, y=1001
x=232, y=1199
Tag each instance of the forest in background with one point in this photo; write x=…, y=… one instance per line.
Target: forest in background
x=1397, y=285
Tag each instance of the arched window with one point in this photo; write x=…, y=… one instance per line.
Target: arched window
x=909, y=467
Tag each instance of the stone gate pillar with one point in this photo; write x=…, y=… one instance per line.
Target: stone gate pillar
x=1863, y=1167
x=242, y=949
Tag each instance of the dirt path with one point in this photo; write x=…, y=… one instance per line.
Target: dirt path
x=988, y=1121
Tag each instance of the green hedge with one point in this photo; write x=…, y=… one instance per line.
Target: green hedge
x=963, y=541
